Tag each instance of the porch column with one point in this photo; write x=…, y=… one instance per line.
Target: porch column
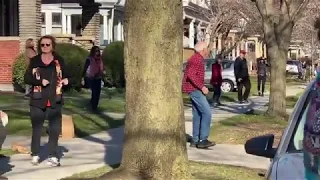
x=219, y=45
x=105, y=27
x=91, y=21
x=64, y=24
x=119, y=29
x=234, y=49
x=191, y=34
x=110, y=30
x=69, y=24
x=48, y=20
x=29, y=20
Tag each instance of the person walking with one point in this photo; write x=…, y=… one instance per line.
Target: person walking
x=93, y=72
x=193, y=84
x=47, y=75
x=30, y=52
x=262, y=75
x=241, y=73
x=216, y=80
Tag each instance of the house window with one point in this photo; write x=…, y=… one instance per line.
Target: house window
x=43, y=18
x=56, y=19
x=9, y=18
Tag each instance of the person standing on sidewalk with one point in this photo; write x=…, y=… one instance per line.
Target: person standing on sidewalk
x=216, y=80
x=30, y=52
x=47, y=75
x=241, y=73
x=93, y=71
x=193, y=84
x=262, y=75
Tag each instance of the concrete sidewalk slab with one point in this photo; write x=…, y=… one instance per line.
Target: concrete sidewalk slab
x=234, y=155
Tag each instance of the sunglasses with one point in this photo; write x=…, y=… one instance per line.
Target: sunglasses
x=45, y=45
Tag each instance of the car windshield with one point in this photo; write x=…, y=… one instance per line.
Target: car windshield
x=296, y=140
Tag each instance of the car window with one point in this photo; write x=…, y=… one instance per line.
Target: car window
x=226, y=65
x=290, y=62
x=295, y=144
x=208, y=66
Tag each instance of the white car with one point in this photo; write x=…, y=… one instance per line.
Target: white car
x=292, y=66
x=287, y=158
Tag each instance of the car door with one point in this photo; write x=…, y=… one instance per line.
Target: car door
x=288, y=163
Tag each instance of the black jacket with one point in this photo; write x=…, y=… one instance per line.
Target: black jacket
x=49, y=73
x=241, y=68
x=262, y=68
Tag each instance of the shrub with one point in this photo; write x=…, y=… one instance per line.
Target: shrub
x=114, y=63
x=74, y=57
x=19, y=68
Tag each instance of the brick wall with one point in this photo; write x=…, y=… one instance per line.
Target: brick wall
x=9, y=50
x=91, y=21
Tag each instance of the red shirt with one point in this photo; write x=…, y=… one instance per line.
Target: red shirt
x=193, y=78
x=216, y=75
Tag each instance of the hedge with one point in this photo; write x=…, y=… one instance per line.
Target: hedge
x=113, y=60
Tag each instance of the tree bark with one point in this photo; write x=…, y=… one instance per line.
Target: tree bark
x=155, y=142
x=278, y=38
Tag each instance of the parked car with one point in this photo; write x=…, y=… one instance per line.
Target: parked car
x=287, y=158
x=292, y=66
x=228, y=79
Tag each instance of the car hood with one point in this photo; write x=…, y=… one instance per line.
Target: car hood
x=290, y=166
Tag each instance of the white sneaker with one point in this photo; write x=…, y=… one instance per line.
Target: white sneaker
x=53, y=161
x=35, y=160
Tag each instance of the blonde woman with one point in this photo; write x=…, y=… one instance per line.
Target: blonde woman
x=30, y=52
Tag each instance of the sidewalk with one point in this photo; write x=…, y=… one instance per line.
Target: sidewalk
x=79, y=155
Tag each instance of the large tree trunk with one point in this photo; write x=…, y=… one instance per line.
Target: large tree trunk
x=155, y=143
x=278, y=37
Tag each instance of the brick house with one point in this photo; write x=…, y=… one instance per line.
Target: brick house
x=21, y=19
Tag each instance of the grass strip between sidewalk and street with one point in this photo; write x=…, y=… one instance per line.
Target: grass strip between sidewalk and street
x=238, y=129
x=199, y=171
x=6, y=152
x=76, y=104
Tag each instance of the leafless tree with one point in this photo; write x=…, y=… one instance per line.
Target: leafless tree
x=278, y=19
x=227, y=15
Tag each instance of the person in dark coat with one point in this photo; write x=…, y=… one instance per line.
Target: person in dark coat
x=262, y=67
x=47, y=74
x=216, y=80
x=241, y=73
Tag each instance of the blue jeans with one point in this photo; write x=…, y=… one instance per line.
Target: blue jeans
x=201, y=112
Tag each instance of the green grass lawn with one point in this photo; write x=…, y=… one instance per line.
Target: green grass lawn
x=76, y=105
x=6, y=152
x=199, y=171
x=238, y=129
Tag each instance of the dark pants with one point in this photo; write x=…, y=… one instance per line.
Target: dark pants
x=38, y=116
x=244, y=83
x=216, y=93
x=95, y=86
x=261, y=83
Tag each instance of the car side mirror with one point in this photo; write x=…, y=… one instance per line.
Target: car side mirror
x=261, y=146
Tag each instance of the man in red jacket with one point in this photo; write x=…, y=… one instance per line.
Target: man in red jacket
x=216, y=80
x=193, y=84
